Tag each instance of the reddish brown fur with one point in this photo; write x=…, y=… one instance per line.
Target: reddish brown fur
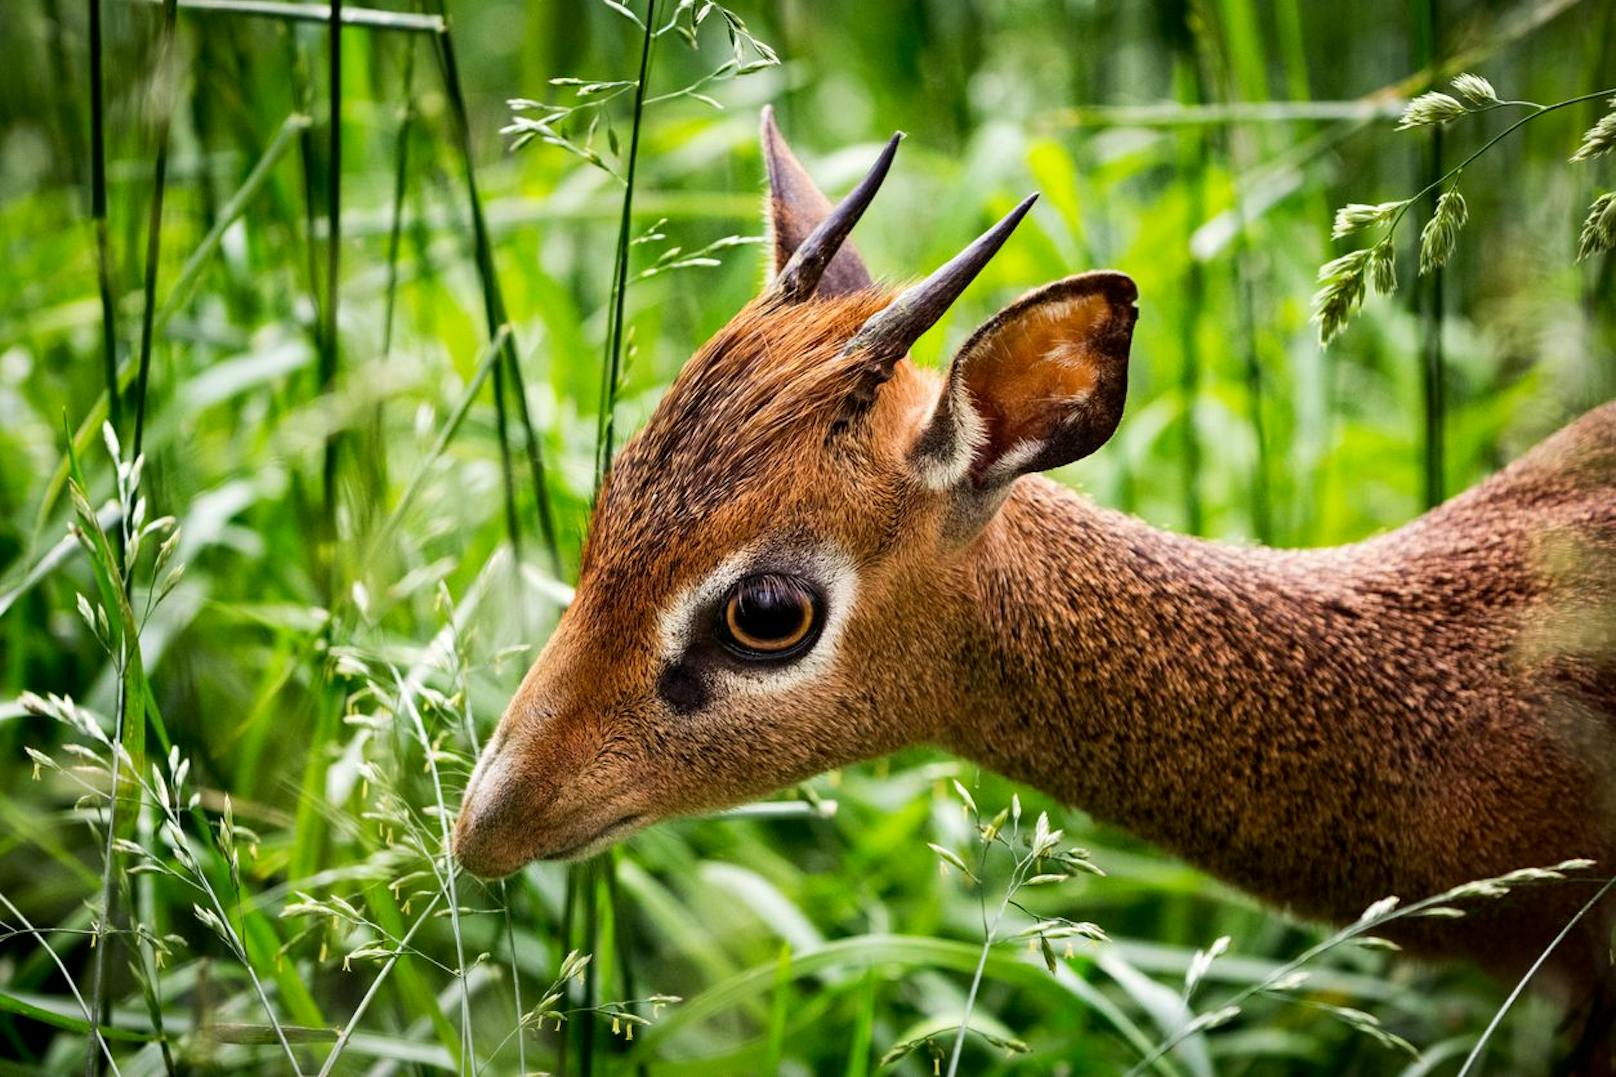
x=1322, y=728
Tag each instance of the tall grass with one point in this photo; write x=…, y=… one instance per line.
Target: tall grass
x=379, y=463
x=1430, y=296
x=163, y=92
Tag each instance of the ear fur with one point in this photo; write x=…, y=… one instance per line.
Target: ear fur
x=794, y=207
x=1041, y=384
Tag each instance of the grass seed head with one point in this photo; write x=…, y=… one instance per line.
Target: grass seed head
x=1441, y=232
x=1599, y=229
x=1356, y=216
x=1435, y=107
x=1383, y=267
x=1476, y=90
x=1599, y=139
x=1340, y=294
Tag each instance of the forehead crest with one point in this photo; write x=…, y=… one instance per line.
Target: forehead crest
x=767, y=387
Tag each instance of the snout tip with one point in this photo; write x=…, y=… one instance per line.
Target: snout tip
x=473, y=851
x=482, y=839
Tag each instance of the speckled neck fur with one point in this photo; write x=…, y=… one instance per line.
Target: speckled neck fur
x=1322, y=728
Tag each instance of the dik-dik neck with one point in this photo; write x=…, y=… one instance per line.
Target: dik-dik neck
x=1248, y=708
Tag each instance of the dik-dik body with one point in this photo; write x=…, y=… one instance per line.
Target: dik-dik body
x=815, y=553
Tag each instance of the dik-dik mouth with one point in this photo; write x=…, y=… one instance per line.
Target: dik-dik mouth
x=603, y=839
x=486, y=863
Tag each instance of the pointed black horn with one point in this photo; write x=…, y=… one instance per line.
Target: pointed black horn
x=890, y=331
x=800, y=276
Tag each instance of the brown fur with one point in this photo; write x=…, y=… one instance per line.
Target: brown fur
x=1322, y=728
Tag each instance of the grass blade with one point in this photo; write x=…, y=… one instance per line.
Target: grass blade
x=293, y=126
x=494, y=307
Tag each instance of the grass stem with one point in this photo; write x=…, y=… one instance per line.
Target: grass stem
x=1429, y=299
x=98, y=215
x=97, y=1039
x=163, y=77
x=375, y=986
x=1515, y=993
x=395, y=225
x=494, y=306
x=613, y=361
x=330, y=345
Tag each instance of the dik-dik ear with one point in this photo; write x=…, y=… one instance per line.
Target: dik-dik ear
x=794, y=209
x=1040, y=385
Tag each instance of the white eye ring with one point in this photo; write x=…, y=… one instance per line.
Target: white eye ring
x=825, y=569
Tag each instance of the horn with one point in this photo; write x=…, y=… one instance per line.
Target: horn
x=889, y=332
x=800, y=276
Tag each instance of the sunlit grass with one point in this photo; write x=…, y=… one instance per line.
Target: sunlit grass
x=371, y=359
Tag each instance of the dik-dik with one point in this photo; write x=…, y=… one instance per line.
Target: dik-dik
x=816, y=552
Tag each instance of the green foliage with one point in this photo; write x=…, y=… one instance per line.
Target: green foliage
x=367, y=361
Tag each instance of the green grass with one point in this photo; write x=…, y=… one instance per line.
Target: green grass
x=377, y=365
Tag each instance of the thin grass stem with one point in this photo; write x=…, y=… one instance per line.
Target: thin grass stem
x=625, y=964
x=569, y=921
x=1429, y=300
x=588, y=1028
x=239, y=945
x=1515, y=993
x=164, y=98
x=67, y=977
x=369, y=996
x=293, y=126
x=494, y=309
x=990, y=937
x=516, y=976
x=395, y=227
x=98, y=216
x=330, y=345
x=486, y=362
x=99, y=1013
x=507, y=472
x=446, y=881
x=613, y=360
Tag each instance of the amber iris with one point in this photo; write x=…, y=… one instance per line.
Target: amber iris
x=769, y=616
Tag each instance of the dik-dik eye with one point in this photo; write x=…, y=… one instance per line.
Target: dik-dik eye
x=770, y=616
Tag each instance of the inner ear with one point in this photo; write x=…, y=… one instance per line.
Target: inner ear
x=1039, y=385
x=794, y=208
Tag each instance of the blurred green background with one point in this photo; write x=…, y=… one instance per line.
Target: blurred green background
x=367, y=571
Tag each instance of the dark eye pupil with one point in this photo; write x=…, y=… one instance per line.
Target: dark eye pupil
x=770, y=609
x=769, y=616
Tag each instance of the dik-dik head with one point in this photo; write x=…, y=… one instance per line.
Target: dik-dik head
x=779, y=561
